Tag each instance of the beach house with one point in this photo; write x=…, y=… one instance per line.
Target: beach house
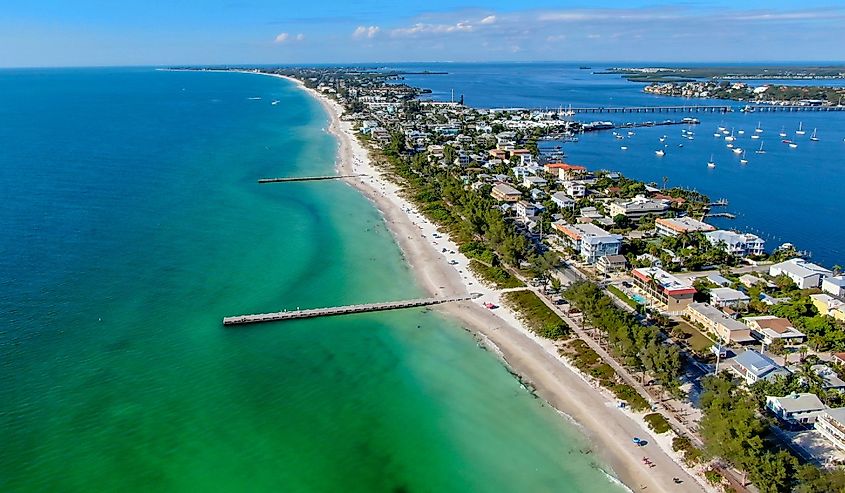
x=563, y=201
x=752, y=366
x=796, y=408
x=590, y=241
x=828, y=305
x=768, y=329
x=830, y=423
x=804, y=274
x=723, y=297
x=667, y=291
x=715, y=321
x=505, y=193
x=674, y=226
x=834, y=286
x=739, y=244
x=637, y=207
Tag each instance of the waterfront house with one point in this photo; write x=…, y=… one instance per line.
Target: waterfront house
x=828, y=305
x=834, y=286
x=674, y=226
x=830, y=423
x=589, y=240
x=563, y=201
x=610, y=264
x=713, y=320
x=723, y=297
x=804, y=274
x=768, y=329
x=739, y=244
x=796, y=408
x=565, y=171
x=505, y=193
x=752, y=366
x=667, y=291
x=637, y=207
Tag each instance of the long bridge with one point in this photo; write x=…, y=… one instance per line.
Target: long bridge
x=695, y=108
x=308, y=178
x=343, y=310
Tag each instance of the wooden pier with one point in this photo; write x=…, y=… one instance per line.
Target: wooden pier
x=308, y=178
x=776, y=108
x=343, y=310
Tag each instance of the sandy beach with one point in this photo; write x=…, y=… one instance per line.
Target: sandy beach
x=535, y=360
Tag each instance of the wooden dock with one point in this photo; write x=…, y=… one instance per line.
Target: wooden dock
x=308, y=178
x=695, y=108
x=343, y=310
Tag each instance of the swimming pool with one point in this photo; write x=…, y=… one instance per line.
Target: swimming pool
x=638, y=298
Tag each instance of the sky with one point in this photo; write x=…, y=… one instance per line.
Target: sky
x=171, y=32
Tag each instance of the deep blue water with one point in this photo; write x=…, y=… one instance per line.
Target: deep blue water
x=793, y=195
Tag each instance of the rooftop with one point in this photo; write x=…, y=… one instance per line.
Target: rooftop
x=669, y=283
x=799, y=402
x=757, y=364
x=684, y=224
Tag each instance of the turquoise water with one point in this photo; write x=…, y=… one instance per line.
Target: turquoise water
x=639, y=299
x=132, y=224
x=786, y=195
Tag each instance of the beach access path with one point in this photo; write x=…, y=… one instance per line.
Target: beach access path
x=534, y=359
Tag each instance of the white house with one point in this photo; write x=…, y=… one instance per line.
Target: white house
x=834, y=286
x=753, y=366
x=575, y=189
x=803, y=273
x=533, y=181
x=723, y=297
x=525, y=209
x=768, y=329
x=563, y=201
x=831, y=424
x=739, y=244
x=589, y=240
x=803, y=408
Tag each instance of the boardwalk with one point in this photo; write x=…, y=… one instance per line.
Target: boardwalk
x=775, y=108
x=308, y=178
x=343, y=310
x=697, y=108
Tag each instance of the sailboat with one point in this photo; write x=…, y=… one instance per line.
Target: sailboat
x=782, y=132
x=660, y=152
x=800, y=130
x=711, y=163
x=758, y=130
x=737, y=150
x=742, y=160
x=760, y=150
x=813, y=137
x=755, y=136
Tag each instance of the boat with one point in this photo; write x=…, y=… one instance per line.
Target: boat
x=813, y=137
x=690, y=137
x=630, y=134
x=680, y=145
x=721, y=128
x=717, y=135
x=755, y=136
x=711, y=163
x=660, y=152
x=800, y=130
x=730, y=146
x=663, y=139
x=730, y=138
x=741, y=132
x=758, y=129
x=624, y=148
x=782, y=132
x=793, y=145
x=743, y=160
x=275, y=102
x=738, y=150
x=760, y=150
x=786, y=141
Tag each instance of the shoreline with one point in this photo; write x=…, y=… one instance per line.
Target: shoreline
x=533, y=360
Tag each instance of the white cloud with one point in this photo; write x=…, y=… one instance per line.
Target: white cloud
x=490, y=19
x=365, y=32
x=282, y=37
x=421, y=28
x=300, y=37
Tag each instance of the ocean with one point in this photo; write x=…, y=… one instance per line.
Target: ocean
x=133, y=223
x=785, y=195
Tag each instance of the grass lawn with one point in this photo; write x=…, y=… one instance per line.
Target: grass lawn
x=699, y=342
x=622, y=296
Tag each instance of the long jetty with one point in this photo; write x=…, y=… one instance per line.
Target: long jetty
x=308, y=178
x=343, y=310
x=697, y=108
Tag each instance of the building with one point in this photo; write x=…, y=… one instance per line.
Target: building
x=739, y=244
x=722, y=297
x=750, y=281
x=768, y=329
x=534, y=181
x=834, y=286
x=829, y=376
x=719, y=280
x=830, y=423
x=565, y=171
x=637, y=207
x=712, y=319
x=752, y=366
x=828, y=305
x=589, y=240
x=505, y=193
x=525, y=209
x=674, y=226
x=610, y=264
x=575, y=189
x=563, y=201
x=804, y=274
x=666, y=290
x=796, y=409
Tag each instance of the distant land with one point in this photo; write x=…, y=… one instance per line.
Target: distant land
x=762, y=72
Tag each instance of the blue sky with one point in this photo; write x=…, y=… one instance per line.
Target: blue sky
x=161, y=32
